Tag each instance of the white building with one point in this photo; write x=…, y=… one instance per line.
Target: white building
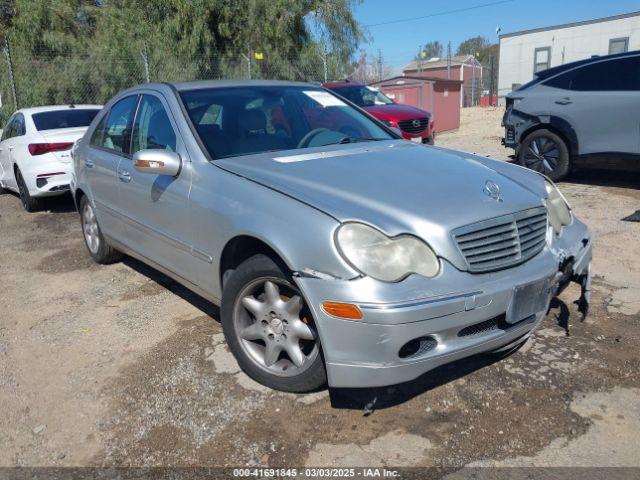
x=526, y=52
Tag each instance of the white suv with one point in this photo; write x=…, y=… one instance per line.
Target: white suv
x=578, y=114
x=35, y=149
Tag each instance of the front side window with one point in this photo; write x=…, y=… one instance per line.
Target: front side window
x=542, y=59
x=363, y=96
x=70, y=118
x=621, y=74
x=152, y=128
x=240, y=120
x=116, y=134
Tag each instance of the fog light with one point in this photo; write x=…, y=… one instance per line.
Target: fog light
x=417, y=346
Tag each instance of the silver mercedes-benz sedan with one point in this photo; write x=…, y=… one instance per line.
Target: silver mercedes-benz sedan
x=337, y=251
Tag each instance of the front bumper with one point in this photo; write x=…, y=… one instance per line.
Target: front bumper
x=463, y=313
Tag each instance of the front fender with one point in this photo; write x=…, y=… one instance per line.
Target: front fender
x=230, y=206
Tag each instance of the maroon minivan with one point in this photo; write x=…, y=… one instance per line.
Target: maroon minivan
x=415, y=124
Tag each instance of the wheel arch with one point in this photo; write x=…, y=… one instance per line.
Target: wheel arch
x=77, y=197
x=242, y=247
x=560, y=127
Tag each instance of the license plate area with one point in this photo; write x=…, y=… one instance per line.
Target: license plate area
x=528, y=300
x=416, y=139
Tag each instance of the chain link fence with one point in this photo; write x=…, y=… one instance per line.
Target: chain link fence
x=31, y=79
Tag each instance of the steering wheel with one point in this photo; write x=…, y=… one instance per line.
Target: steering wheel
x=306, y=140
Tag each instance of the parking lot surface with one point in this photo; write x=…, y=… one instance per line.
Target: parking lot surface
x=119, y=365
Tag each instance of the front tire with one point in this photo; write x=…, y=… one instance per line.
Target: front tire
x=98, y=247
x=29, y=203
x=545, y=152
x=269, y=328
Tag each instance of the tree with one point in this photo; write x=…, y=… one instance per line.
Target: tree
x=87, y=50
x=473, y=46
x=430, y=50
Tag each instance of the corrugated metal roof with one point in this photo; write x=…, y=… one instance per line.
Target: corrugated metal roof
x=408, y=77
x=439, y=63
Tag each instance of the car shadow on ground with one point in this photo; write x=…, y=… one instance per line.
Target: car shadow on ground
x=605, y=178
x=370, y=399
x=202, y=304
x=60, y=204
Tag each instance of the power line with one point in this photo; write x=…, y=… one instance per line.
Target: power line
x=439, y=14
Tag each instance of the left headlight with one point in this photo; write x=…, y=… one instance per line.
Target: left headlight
x=559, y=210
x=374, y=254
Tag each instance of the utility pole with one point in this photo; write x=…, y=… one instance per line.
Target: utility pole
x=323, y=55
x=248, y=59
x=419, y=58
x=491, y=84
x=12, y=77
x=145, y=60
x=473, y=79
x=379, y=65
x=449, y=60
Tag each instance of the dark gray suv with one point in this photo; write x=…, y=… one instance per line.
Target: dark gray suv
x=580, y=113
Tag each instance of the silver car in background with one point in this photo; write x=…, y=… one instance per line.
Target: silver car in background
x=337, y=251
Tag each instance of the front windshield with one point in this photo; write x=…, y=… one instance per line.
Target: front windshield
x=363, y=96
x=245, y=120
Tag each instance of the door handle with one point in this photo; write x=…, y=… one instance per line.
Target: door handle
x=88, y=163
x=124, y=176
x=11, y=149
x=564, y=101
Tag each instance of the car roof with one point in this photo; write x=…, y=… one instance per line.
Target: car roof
x=52, y=108
x=550, y=72
x=202, y=84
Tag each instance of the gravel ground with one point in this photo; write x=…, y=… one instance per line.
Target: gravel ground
x=119, y=365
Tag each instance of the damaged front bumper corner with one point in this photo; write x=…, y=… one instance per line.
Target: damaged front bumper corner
x=573, y=251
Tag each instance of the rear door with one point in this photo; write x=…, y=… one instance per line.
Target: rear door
x=157, y=206
x=109, y=144
x=601, y=101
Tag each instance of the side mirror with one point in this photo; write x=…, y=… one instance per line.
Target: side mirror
x=397, y=131
x=158, y=162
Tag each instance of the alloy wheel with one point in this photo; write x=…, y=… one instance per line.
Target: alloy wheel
x=90, y=228
x=542, y=155
x=274, y=328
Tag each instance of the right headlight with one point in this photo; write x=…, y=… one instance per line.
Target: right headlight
x=374, y=254
x=559, y=210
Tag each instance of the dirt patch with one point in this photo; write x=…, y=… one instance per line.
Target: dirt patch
x=68, y=260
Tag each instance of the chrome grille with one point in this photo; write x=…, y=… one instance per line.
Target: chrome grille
x=503, y=242
x=414, y=126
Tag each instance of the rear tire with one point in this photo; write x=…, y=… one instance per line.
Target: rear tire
x=269, y=329
x=29, y=203
x=98, y=247
x=545, y=152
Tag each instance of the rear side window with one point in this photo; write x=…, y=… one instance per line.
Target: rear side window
x=152, y=128
x=115, y=134
x=70, y=118
x=619, y=75
x=8, y=129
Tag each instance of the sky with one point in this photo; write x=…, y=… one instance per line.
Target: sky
x=399, y=41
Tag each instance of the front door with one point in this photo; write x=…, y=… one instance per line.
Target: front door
x=109, y=144
x=157, y=205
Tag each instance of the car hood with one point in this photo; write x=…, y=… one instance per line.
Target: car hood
x=396, y=186
x=396, y=112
